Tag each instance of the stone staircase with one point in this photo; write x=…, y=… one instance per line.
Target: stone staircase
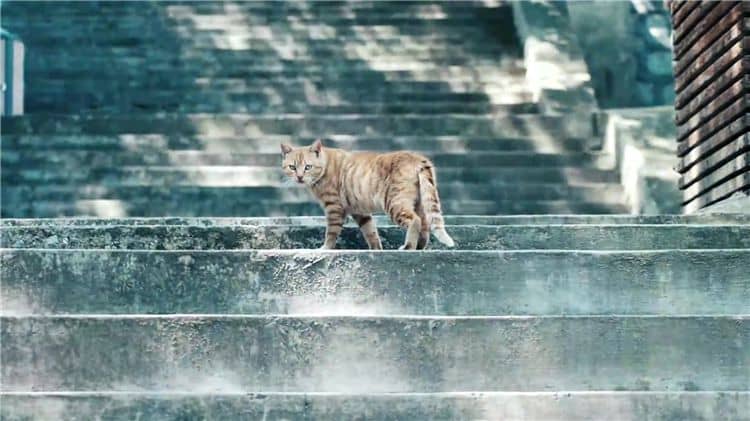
x=153, y=109
x=148, y=115
x=535, y=318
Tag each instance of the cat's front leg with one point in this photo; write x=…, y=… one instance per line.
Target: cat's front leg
x=335, y=217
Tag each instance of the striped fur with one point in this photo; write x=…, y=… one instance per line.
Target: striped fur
x=357, y=184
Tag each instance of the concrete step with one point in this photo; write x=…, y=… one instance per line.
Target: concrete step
x=286, y=194
x=82, y=101
x=219, y=403
x=302, y=52
x=260, y=103
x=203, y=15
x=289, y=68
x=510, y=71
x=483, y=237
x=320, y=24
x=298, y=282
x=394, y=354
x=177, y=9
x=260, y=33
x=283, y=40
x=199, y=159
x=382, y=220
x=449, y=74
x=222, y=125
x=239, y=61
x=153, y=144
x=297, y=98
x=289, y=87
x=351, y=45
x=310, y=17
x=87, y=102
x=144, y=207
x=241, y=177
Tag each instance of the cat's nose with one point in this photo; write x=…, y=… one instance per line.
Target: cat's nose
x=299, y=178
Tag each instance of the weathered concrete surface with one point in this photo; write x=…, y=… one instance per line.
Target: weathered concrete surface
x=222, y=125
x=376, y=354
x=213, y=203
x=154, y=143
x=65, y=160
x=493, y=237
x=361, y=282
x=508, y=406
x=556, y=72
x=381, y=220
x=643, y=142
x=237, y=186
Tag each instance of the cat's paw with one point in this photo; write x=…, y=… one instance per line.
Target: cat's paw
x=325, y=247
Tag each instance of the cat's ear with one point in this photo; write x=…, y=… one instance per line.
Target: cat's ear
x=316, y=147
x=285, y=149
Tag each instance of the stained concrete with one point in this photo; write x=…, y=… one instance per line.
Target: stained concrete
x=557, y=237
x=223, y=405
x=387, y=283
x=375, y=354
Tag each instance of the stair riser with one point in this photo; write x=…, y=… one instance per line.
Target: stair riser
x=85, y=103
x=183, y=207
x=198, y=96
x=135, y=193
x=466, y=237
x=308, y=282
x=291, y=90
x=422, y=37
x=149, y=145
x=275, y=73
x=382, y=220
x=543, y=128
x=239, y=66
x=43, y=160
x=393, y=355
x=55, y=104
x=464, y=21
x=649, y=406
x=257, y=28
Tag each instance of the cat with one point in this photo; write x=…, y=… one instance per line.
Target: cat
x=345, y=183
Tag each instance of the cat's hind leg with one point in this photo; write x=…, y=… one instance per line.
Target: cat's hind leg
x=408, y=219
x=369, y=231
x=424, y=233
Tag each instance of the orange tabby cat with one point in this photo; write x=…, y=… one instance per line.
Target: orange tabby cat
x=360, y=183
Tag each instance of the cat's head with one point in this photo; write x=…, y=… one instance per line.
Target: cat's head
x=303, y=165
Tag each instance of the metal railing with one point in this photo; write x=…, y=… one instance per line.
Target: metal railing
x=12, y=70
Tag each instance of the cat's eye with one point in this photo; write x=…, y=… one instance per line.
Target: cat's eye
x=308, y=167
x=292, y=167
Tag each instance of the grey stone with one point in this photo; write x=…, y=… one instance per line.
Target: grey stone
x=376, y=354
x=382, y=220
x=223, y=405
x=389, y=282
x=504, y=237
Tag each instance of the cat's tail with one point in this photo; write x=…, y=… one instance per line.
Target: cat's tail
x=428, y=196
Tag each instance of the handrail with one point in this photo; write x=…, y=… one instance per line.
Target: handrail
x=8, y=71
x=7, y=35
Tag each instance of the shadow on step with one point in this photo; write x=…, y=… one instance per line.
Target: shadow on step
x=365, y=75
